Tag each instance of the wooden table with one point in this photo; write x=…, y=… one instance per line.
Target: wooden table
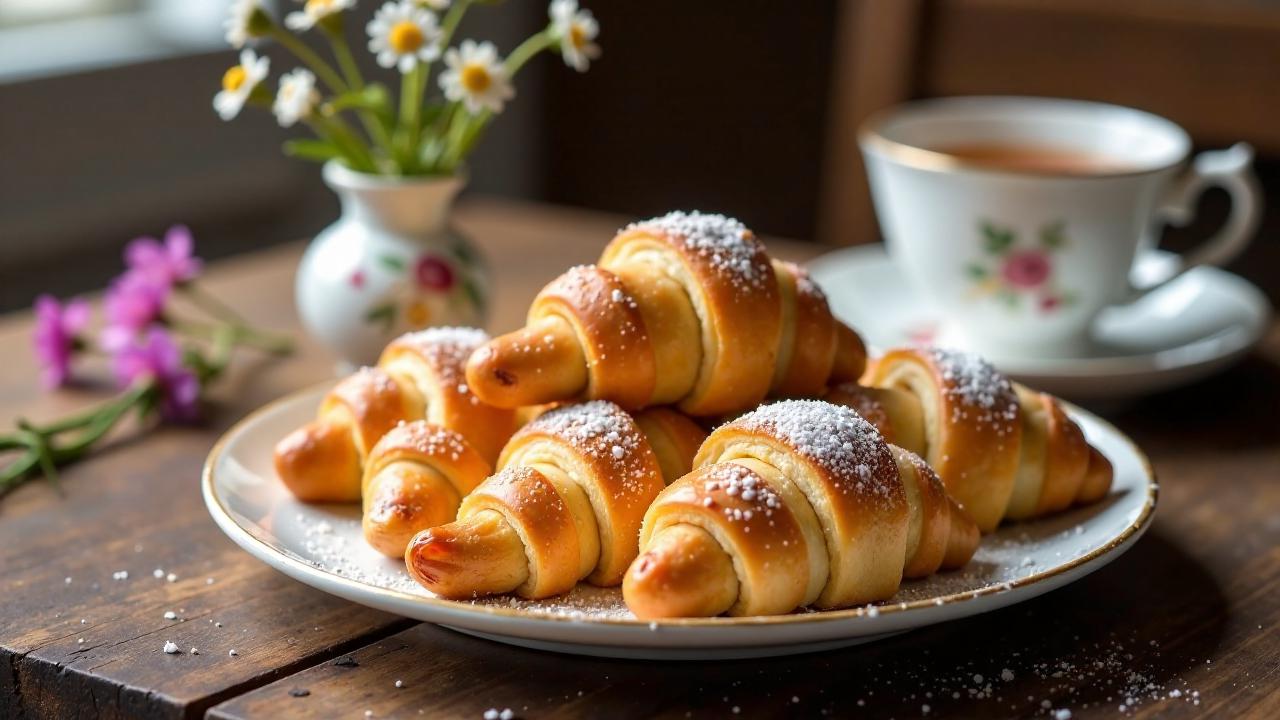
x=1185, y=624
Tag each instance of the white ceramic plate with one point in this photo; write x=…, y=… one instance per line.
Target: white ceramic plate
x=1186, y=331
x=321, y=545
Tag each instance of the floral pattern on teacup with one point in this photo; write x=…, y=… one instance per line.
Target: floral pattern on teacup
x=1016, y=273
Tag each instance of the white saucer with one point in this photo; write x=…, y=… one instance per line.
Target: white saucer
x=1188, y=330
x=322, y=546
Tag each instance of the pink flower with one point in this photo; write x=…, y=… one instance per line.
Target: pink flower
x=357, y=279
x=132, y=303
x=169, y=264
x=156, y=357
x=1049, y=303
x=434, y=273
x=57, y=336
x=1026, y=268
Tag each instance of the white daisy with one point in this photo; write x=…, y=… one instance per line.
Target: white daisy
x=238, y=83
x=402, y=34
x=246, y=19
x=297, y=97
x=576, y=29
x=475, y=76
x=313, y=11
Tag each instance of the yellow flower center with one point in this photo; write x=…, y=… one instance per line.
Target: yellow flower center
x=234, y=78
x=577, y=37
x=319, y=6
x=405, y=37
x=418, y=314
x=475, y=78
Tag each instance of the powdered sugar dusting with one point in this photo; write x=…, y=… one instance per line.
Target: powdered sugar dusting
x=833, y=438
x=424, y=439
x=331, y=540
x=745, y=487
x=733, y=251
x=447, y=349
x=975, y=388
x=604, y=432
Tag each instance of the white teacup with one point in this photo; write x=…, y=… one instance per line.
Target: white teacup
x=1019, y=219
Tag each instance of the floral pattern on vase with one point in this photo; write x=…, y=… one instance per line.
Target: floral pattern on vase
x=1018, y=274
x=392, y=263
x=437, y=287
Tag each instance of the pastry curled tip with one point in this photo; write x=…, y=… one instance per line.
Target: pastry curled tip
x=1097, y=478
x=536, y=364
x=318, y=463
x=851, y=356
x=683, y=573
x=480, y=555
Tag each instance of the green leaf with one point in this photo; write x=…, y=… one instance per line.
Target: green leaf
x=473, y=293
x=1008, y=297
x=317, y=150
x=385, y=314
x=1053, y=235
x=976, y=271
x=392, y=262
x=374, y=98
x=995, y=239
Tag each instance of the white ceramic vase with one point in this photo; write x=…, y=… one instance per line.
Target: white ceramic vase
x=390, y=264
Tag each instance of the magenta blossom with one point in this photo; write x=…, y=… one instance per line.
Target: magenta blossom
x=57, y=336
x=132, y=303
x=158, y=358
x=167, y=264
x=1026, y=268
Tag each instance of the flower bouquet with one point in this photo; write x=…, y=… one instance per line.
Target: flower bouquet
x=422, y=134
x=162, y=357
x=392, y=262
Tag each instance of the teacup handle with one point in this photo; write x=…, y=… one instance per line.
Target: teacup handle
x=1231, y=170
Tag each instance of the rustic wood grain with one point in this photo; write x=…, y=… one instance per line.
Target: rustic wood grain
x=135, y=506
x=1203, y=585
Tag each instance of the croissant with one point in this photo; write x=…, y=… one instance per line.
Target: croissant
x=415, y=478
x=420, y=375
x=1002, y=450
x=684, y=309
x=565, y=505
x=798, y=503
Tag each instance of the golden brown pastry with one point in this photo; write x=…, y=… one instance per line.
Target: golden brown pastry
x=1002, y=451
x=419, y=376
x=685, y=309
x=414, y=479
x=565, y=505
x=798, y=503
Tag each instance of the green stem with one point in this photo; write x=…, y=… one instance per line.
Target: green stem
x=346, y=60
x=451, y=20
x=322, y=69
x=237, y=334
x=342, y=51
x=44, y=455
x=526, y=50
x=210, y=304
x=411, y=98
x=110, y=415
x=335, y=130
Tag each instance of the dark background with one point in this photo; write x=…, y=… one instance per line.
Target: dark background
x=742, y=106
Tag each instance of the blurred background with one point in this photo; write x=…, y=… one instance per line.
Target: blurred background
x=742, y=106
